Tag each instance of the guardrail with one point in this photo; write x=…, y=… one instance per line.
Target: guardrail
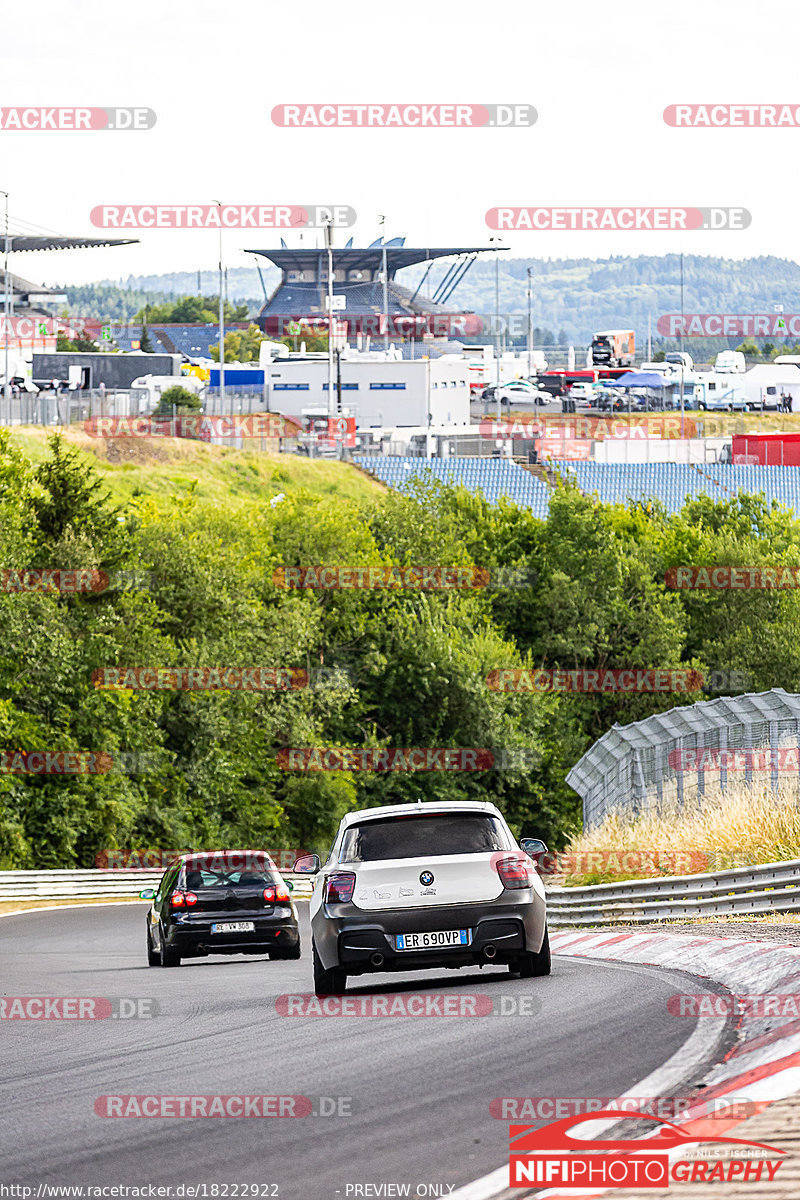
x=771, y=888
x=741, y=891
x=95, y=884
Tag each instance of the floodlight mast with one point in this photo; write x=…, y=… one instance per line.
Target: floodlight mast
x=331, y=374
x=221, y=319
x=6, y=313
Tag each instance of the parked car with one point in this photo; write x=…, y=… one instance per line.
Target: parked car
x=583, y=394
x=409, y=887
x=516, y=391
x=221, y=902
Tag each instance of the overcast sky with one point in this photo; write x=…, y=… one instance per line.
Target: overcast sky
x=600, y=76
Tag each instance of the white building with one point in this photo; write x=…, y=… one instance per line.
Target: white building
x=376, y=390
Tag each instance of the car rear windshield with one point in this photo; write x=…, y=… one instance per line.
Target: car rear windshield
x=219, y=877
x=422, y=836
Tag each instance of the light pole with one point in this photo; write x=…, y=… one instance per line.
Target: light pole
x=385, y=282
x=681, y=301
x=497, y=325
x=329, y=244
x=6, y=313
x=221, y=320
x=530, y=336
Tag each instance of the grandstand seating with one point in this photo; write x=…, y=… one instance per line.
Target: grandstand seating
x=613, y=483
x=494, y=477
x=191, y=340
x=671, y=483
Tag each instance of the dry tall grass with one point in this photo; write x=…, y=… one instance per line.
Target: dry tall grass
x=741, y=826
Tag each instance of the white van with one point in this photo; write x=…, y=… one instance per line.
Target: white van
x=730, y=362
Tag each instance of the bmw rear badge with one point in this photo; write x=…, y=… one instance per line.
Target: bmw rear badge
x=426, y=878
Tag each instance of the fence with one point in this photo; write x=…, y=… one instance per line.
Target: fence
x=666, y=761
x=95, y=884
x=772, y=888
x=67, y=408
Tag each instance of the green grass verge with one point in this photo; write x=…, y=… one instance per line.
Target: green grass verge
x=170, y=467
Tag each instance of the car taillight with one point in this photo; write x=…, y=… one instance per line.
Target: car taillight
x=278, y=891
x=339, y=887
x=191, y=898
x=515, y=872
x=178, y=900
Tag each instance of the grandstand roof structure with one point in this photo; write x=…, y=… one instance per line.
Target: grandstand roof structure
x=357, y=276
x=22, y=242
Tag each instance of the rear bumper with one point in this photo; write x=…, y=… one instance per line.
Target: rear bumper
x=349, y=937
x=194, y=937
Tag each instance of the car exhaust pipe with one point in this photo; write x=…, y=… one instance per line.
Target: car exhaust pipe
x=377, y=959
x=490, y=951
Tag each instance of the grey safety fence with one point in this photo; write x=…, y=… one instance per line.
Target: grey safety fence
x=97, y=884
x=50, y=408
x=742, y=891
x=667, y=762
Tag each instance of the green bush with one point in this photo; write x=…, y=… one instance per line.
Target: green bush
x=179, y=398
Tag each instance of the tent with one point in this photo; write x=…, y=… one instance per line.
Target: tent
x=642, y=379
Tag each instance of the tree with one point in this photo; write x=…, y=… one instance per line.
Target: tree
x=316, y=343
x=191, y=310
x=179, y=398
x=750, y=349
x=145, y=341
x=241, y=345
x=76, y=345
x=72, y=496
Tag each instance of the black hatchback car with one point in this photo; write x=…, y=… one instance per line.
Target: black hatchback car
x=221, y=902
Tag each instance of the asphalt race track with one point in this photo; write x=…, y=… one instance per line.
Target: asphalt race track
x=419, y=1088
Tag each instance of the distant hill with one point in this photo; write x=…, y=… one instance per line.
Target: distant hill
x=572, y=297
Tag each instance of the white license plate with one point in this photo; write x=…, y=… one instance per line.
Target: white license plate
x=234, y=927
x=431, y=941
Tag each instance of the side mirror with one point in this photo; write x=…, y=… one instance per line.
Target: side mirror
x=309, y=864
x=147, y=894
x=533, y=847
x=289, y=884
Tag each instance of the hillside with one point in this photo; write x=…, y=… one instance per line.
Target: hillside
x=572, y=297
x=172, y=467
